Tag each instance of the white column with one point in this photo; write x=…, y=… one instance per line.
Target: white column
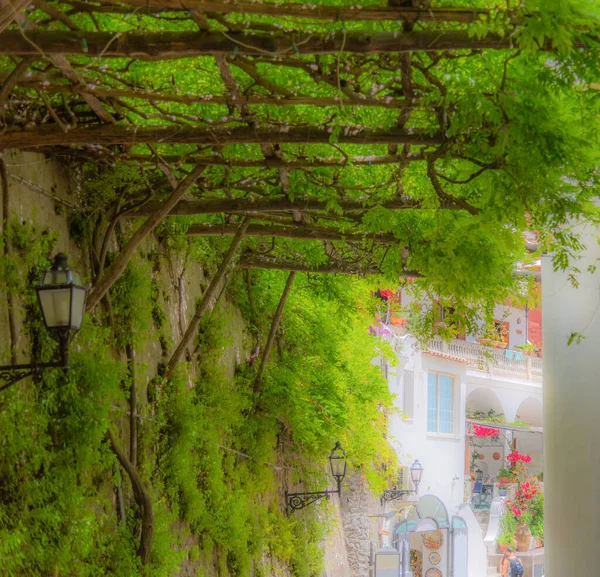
x=572, y=416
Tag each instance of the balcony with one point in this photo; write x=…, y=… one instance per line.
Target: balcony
x=492, y=361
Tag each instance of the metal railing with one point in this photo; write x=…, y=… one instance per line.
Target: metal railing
x=491, y=360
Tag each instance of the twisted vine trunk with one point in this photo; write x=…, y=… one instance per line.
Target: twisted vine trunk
x=141, y=496
x=12, y=330
x=274, y=326
x=204, y=305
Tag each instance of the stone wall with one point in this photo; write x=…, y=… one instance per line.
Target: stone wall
x=360, y=529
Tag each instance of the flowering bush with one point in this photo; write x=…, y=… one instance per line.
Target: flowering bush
x=516, y=457
x=517, y=466
x=386, y=293
x=481, y=431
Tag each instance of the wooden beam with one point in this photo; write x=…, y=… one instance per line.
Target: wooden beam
x=47, y=135
x=173, y=45
x=300, y=232
x=279, y=9
x=41, y=82
x=277, y=204
x=366, y=160
x=274, y=264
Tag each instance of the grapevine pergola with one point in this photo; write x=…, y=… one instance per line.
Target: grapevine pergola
x=404, y=138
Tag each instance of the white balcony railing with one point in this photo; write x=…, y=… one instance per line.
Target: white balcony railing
x=491, y=360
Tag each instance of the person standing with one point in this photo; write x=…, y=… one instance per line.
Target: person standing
x=515, y=566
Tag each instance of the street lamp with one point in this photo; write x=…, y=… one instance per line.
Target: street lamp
x=62, y=297
x=338, y=465
x=416, y=472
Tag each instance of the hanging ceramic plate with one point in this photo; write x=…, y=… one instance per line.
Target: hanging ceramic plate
x=433, y=572
x=416, y=562
x=433, y=540
x=435, y=558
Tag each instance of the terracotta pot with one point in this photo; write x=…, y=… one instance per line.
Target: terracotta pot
x=503, y=547
x=484, y=341
x=538, y=543
x=504, y=480
x=523, y=537
x=496, y=456
x=539, y=354
x=502, y=345
x=399, y=321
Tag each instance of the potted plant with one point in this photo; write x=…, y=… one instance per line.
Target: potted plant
x=528, y=348
x=539, y=353
x=505, y=475
x=489, y=337
x=523, y=534
x=504, y=541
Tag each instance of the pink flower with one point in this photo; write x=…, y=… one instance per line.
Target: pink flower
x=481, y=431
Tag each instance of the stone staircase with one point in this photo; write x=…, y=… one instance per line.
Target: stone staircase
x=483, y=518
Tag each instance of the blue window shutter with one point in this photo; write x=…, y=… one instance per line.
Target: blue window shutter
x=432, y=403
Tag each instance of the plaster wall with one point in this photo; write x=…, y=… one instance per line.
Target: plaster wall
x=571, y=423
x=511, y=393
x=442, y=456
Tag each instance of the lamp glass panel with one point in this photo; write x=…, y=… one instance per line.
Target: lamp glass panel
x=77, y=307
x=416, y=472
x=55, y=305
x=76, y=277
x=338, y=464
x=387, y=565
x=55, y=277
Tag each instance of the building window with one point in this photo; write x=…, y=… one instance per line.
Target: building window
x=408, y=395
x=384, y=368
x=440, y=403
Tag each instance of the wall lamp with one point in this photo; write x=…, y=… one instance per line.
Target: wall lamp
x=338, y=464
x=416, y=472
x=62, y=298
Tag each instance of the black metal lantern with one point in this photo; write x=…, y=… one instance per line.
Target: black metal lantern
x=337, y=462
x=416, y=472
x=62, y=298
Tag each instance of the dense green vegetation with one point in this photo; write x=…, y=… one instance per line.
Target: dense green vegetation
x=370, y=141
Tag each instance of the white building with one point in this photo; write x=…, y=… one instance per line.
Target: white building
x=442, y=390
